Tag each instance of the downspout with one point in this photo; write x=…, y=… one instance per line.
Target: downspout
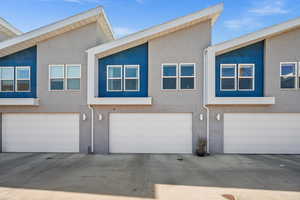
x=205, y=99
x=92, y=128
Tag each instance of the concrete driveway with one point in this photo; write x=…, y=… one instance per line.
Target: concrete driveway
x=110, y=177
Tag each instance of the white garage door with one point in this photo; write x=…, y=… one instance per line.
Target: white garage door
x=40, y=132
x=150, y=133
x=262, y=133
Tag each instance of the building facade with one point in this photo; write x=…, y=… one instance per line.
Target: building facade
x=73, y=87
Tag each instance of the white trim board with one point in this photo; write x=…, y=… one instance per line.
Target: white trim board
x=31, y=38
x=19, y=101
x=8, y=29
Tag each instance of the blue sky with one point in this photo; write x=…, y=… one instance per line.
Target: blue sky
x=127, y=16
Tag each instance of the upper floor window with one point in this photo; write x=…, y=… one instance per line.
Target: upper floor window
x=228, y=76
x=123, y=78
x=246, y=77
x=169, y=76
x=174, y=79
x=15, y=79
x=22, y=79
x=64, y=77
x=237, y=77
x=288, y=75
x=187, y=76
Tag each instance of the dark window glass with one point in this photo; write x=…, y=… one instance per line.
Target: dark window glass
x=187, y=83
x=169, y=83
x=287, y=82
x=246, y=83
x=228, y=84
x=57, y=84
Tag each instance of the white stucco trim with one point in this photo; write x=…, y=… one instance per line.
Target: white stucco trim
x=211, y=13
x=19, y=101
x=31, y=38
x=242, y=101
x=8, y=29
x=121, y=101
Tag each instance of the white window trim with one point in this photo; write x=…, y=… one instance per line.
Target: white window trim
x=49, y=77
x=17, y=79
x=241, y=77
x=13, y=67
x=162, y=77
x=194, y=76
x=114, y=78
x=227, y=77
x=131, y=78
x=66, y=76
x=296, y=75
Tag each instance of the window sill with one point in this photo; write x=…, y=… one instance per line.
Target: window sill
x=121, y=101
x=242, y=101
x=19, y=101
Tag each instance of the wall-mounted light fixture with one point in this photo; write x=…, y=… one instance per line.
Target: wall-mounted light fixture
x=100, y=117
x=218, y=117
x=84, y=117
x=201, y=117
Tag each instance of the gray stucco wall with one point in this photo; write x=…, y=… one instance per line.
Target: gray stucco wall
x=186, y=45
x=68, y=48
x=281, y=48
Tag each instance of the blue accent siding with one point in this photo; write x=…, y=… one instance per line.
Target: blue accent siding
x=134, y=56
x=25, y=57
x=252, y=54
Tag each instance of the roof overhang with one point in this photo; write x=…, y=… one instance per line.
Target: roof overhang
x=211, y=13
x=8, y=29
x=255, y=37
x=32, y=38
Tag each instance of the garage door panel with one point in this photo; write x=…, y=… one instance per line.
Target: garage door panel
x=40, y=132
x=262, y=133
x=150, y=133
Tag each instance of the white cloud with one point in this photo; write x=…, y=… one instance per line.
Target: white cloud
x=242, y=23
x=123, y=31
x=270, y=8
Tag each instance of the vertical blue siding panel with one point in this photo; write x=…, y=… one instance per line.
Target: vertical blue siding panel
x=252, y=54
x=133, y=56
x=25, y=57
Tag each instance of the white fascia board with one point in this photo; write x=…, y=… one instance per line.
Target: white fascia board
x=242, y=101
x=9, y=27
x=108, y=24
x=256, y=36
x=121, y=101
x=50, y=28
x=19, y=101
x=209, y=13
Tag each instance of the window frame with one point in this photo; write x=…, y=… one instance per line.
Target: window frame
x=120, y=78
x=49, y=77
x=14, y=86
x=65, y=88
x=226, y=77
x=180, y=76
x=297, y=75
x=66, y=76
x=162, y=77
x=16, y=78
x=245, y=77
x=131, y=78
